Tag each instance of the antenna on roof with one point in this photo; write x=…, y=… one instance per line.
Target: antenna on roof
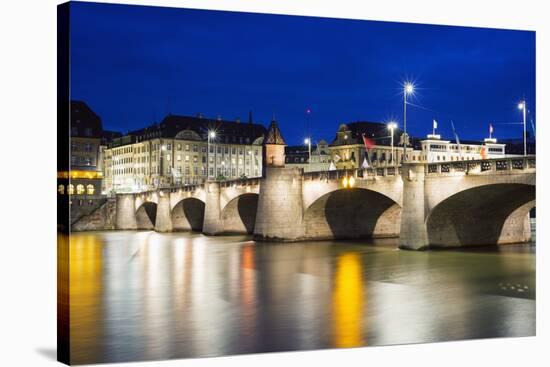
x=250, y=117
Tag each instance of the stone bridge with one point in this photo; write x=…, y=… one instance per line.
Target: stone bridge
x=213, y=208
x=426, y=205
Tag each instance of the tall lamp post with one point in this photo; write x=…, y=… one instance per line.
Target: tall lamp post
x=308, y=142
x=408, y=89
x=391, y=126
x=162, y=149
x=523, y=106
x=211, y=135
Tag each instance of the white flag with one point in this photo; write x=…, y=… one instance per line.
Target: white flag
x=435, y=124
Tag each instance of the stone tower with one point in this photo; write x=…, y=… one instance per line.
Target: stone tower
x=280, y=212
x=274, y=146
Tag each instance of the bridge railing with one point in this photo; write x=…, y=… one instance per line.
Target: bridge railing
x=357, y=173
x=485, y=166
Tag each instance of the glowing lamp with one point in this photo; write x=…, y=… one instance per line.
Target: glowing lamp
x=345, y=182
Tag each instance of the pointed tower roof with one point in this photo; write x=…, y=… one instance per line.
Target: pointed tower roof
x=274, y=135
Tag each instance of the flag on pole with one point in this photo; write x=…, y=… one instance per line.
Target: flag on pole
x=491, y=128
x=457, y=140
x=369, y=143
x=435, y=124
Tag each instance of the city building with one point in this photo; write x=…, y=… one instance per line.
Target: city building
x=299, y=156
x=81, y=182
x=83, y=177
x=183, y=150
x=348, y=150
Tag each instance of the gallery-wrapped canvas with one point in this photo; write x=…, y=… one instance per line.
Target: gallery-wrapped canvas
x=234, y=183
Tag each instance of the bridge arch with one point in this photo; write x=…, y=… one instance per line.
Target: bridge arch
x=188, y=215
x=239, y=214
x=146, y=214
x=481, y=215
x=352, y=213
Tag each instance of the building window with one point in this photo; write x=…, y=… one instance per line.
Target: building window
x=61, y=189
x=179, y=157
x=219, y=150
x=90, y=189
x=80, y=189
x=186, y=147
x=195, y=148
x=179, y=146
x=70, y=189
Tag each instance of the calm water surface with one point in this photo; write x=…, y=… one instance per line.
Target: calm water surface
x=146, y=296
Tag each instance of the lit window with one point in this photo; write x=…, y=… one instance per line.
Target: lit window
x=80, y=189
x=61, y=189
x=70, y=189
x=90, y=189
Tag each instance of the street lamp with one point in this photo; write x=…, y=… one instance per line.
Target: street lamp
x=161, y=174
x=408, y=89
x=211, y=135
x=523, y=106
x=391, y=126
x=307, y=141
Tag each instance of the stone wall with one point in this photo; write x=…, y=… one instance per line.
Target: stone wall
x=102, y=218
x=280, y=206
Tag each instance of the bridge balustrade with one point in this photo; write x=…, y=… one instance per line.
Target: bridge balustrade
x=486, y=166
x=356, y=173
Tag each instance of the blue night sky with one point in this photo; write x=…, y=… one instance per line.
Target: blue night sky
x=133, y=65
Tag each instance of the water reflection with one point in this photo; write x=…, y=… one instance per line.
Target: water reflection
x=348, y=299
x=144, y=295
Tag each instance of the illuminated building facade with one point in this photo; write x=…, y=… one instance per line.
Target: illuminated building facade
x=183, y=150
x=347, y=150
x=298, y=156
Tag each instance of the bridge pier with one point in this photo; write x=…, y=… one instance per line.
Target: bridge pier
x=125, y=212
x=414, y=233
x=213, y=223
x=280, y=210
x=163, y=222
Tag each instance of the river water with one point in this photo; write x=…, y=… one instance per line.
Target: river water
x=147, y=296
